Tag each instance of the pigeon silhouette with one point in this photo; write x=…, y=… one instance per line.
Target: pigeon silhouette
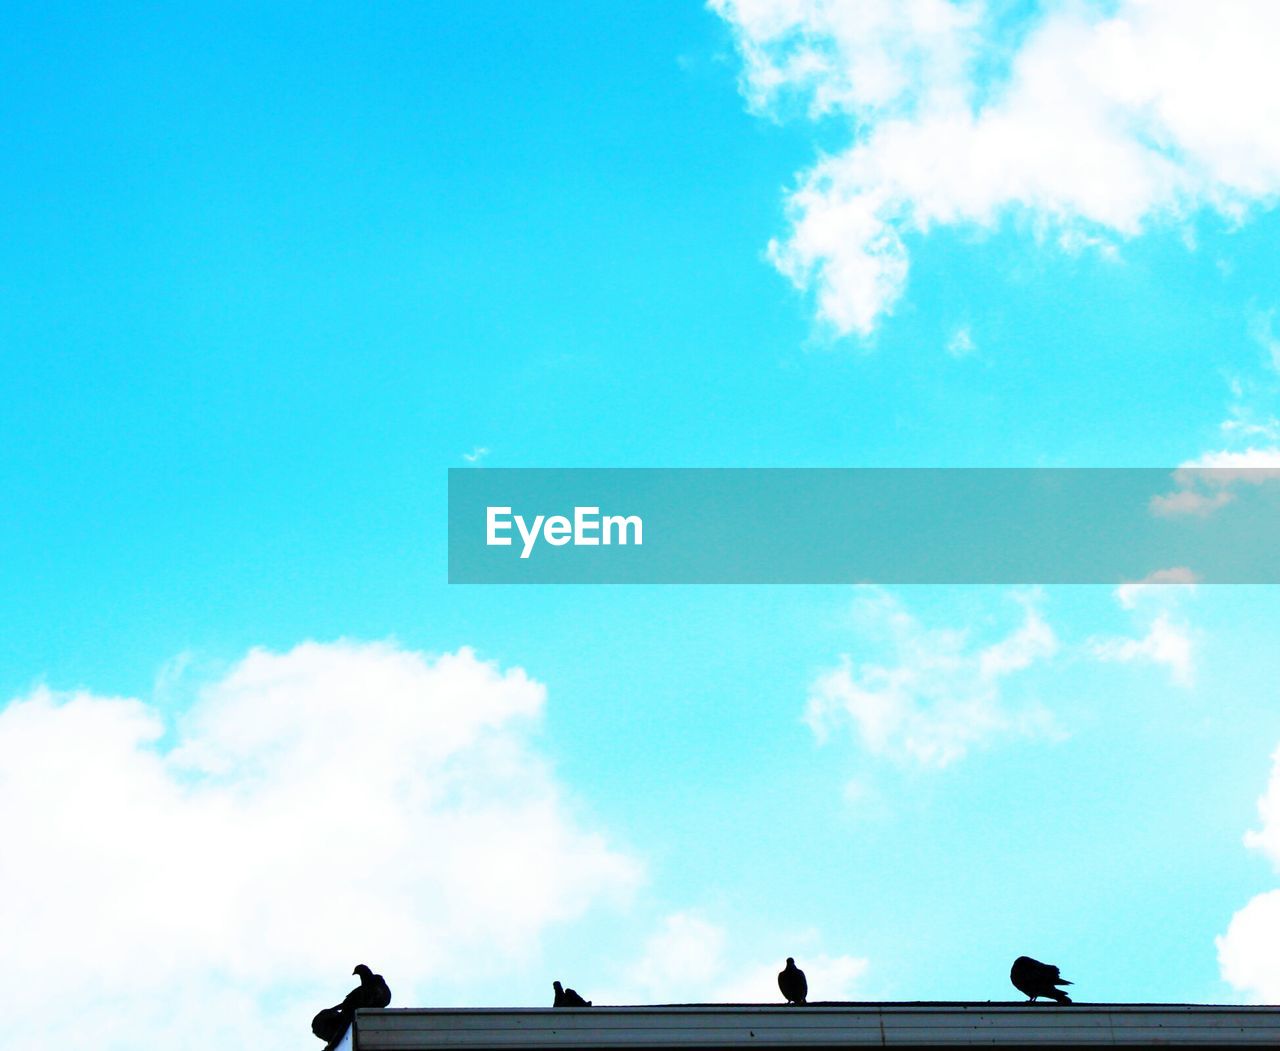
x=1038, y=979
x=792, y=983
x=331, y=1024
x=568, y=997
x=371, y=992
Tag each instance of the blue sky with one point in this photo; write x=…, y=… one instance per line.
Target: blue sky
x=266, y=276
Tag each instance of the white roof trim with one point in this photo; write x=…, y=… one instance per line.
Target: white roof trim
x=819, y=1025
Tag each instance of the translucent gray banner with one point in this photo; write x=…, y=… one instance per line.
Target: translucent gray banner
x=864, y=525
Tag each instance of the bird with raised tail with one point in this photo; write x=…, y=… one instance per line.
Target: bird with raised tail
x=568, y=997
x=1038, y=979
x=331, y=1024
x=792, y=982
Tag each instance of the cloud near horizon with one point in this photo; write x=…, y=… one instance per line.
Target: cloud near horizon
x=1092, y=125
x=686, y=960
x=209, y=880
x=1249, y=951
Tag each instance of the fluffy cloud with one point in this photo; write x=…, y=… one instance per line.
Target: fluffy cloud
x=1133, y=593
x=1093, y=123
x=685, y=961
x=939, y=696
x=1250, y=431
x=1165, y=642
x=1247, y=957
x=209, y=881
x=1205, y=483
x=1224, y=467
x=1167, y=638
x=1249, y=952
x=1245, y=422
x=680, y=962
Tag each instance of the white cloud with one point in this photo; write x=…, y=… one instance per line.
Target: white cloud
x=211, y=883
x=1243, y=422
x=680, y=962
x=961, y=343
x=685, y=961
x=1205, y=483
x=1262, y=330
x=939, y=696
x=1247, y=956
x=1249, y=951
x=1092, y=125
x=1188, y=502
x=1166, y=641
x=476, y=455
x=1251, y=432
x=1267, y=838
x=1132, y=592
x=1223, y=467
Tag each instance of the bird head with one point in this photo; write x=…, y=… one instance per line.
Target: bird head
x=790, y=962
x=362, y=969
x=558, y=987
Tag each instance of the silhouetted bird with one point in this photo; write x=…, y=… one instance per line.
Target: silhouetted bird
x=1038, y=979
x=792, y=983
x=371, y=992
x=331, y=1024
x=568, y=997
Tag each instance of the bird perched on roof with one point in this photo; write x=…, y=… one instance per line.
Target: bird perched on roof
x=792, y=982
x=1038, y=979
x=371, y=992
x=331, y=1024
x=568, y=997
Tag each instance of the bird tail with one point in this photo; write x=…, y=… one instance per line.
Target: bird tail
x=1060, y=996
